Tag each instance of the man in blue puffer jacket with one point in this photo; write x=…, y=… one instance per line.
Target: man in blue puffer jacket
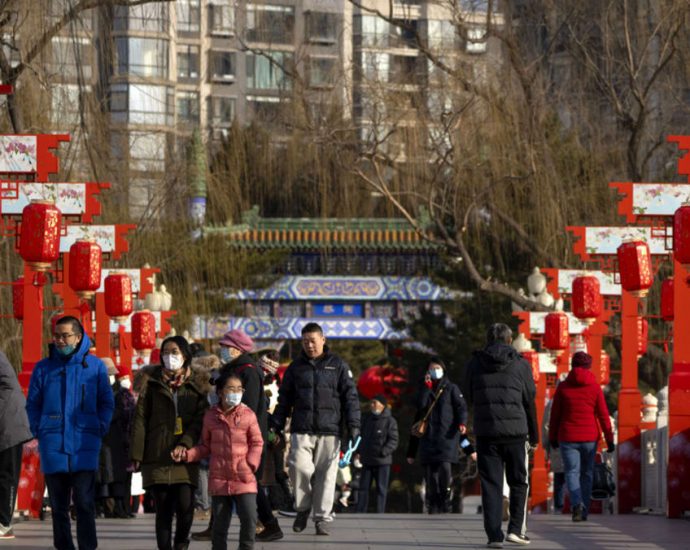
x=70, y=404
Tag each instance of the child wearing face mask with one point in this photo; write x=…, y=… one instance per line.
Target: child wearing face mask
x=232, y=438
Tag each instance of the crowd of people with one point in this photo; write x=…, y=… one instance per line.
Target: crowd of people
x=198, y=425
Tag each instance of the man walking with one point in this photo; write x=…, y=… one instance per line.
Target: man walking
x=318, y=394
x=70, y=404
x=500, y=388
x=14, y=432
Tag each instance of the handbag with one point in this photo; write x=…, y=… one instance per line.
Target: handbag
x=418, y=429
x=603, y=484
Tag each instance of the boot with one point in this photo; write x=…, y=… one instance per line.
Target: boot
x=181, y=546
x=271, y=531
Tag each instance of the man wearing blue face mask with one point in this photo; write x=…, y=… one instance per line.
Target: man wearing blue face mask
x=70, y=404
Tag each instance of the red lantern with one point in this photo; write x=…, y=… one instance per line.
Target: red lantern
x=144, y=332
x=605, y=371
x=39, y=240
x=587, y=302
x=85, y=268
x=681, y=235
x=556, y=332
x=635, y=267
x=18, y=299
x=532, y=357
x=381, y=380
x=118, y=296
x=642, y=336
x=667, y=300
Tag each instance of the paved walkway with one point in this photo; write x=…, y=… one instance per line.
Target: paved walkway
x=402, y=532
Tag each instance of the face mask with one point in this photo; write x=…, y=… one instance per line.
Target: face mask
x=233, y=399
x=225, y=354
x=173, y=362
x=112, y=379
x=126, y=383
x=375, y=412
x=66, y=350
x=436, y=374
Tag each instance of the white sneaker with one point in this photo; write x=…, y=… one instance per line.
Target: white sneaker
x=518, y=539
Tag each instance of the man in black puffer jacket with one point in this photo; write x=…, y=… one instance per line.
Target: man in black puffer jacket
x=379, y=440
x=318, y=393
x=500, y=388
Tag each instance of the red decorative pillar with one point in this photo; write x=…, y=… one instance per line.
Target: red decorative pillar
x=629, y=399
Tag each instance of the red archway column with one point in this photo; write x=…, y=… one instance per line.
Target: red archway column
x=678, y=473
x=629, y=399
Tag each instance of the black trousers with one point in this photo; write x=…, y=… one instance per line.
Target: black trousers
x=380, y=474
x=437, y=476
x=492, y=460
x=245, y=505
x=80, y=488
x=10, y=468
x=176, y=500
x=263, y=503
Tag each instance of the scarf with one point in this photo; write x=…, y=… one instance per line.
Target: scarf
x=175, y=380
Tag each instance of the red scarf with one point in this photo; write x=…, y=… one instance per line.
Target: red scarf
x=175, y=380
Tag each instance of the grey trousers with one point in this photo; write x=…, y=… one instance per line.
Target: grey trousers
x=313, y=466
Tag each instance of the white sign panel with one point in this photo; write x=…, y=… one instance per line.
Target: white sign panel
x=70, y=198
x=134, y=274
x=18, y=154
x=659, y=199
x=104, y=235
x=606, y=281
x=546, y=363
x=537, y=323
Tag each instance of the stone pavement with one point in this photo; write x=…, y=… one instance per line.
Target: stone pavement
x=401, y=532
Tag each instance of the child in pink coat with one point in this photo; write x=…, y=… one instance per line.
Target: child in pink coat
x=231, y=436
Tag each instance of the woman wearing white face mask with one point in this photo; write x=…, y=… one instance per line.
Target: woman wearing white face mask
x=439, y=444
x=168, y=421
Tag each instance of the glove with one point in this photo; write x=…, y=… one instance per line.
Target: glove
x=553, y=444
x=611, y=447
x=354, y=434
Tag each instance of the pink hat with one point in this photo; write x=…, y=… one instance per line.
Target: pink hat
x=237, y=339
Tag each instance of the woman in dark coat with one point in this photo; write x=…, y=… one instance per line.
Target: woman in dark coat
x=168, y=420
x=439, y=446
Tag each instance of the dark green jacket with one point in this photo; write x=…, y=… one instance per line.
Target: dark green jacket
x=153, y=431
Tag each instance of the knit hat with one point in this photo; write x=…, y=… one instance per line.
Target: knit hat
x=268, y=365
x=381, y=399
x=582, y=360
x=237, y=339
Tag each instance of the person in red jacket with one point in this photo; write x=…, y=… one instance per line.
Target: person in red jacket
x=232, y=437
x=578, y=416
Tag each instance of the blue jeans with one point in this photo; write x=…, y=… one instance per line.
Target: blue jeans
x=81, y=488
x=578, y=462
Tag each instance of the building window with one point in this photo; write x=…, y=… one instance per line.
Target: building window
x=321, y=28
x=271, y=24
x=221, y=17
x=188, y=16
x=476, y=40
x=58, y=8
x=222, y=66
x=375, y=66
x=141, y=104
x=151, y=17
x=188, y=62
x=375, y=31
x=188, y=107
x=404, y=34
x=71, y=56
x=222, y=111
x=442, y=35
x=266, y=110
x=65, y=105
x=264, y=73
x=147, y=151
x=322, y=72
x=146, y=57
x=403, y=69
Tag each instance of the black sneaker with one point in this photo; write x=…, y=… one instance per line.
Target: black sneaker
x=322, y=528
x=518, y=539
x=494, y=544
x=578, y=513
x=204, y=535
x=300, y=521
x=271, y=531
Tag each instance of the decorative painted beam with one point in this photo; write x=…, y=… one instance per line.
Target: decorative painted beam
x=561, y=281
x=270, y=328
x=111, y=238
x=349, y=288
x=650, y=199
x=604, y=241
